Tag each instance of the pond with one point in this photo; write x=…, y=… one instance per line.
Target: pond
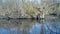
x=29, y=26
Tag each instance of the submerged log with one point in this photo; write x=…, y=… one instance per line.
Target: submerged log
x=53, y=14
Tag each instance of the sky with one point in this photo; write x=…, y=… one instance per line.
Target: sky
x=39, y=1
x=18, y=1
x=3, y=1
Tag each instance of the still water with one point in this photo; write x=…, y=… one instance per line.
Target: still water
x=28, y=26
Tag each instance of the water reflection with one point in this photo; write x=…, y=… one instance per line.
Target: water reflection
x=28, y=26
x=35, y=29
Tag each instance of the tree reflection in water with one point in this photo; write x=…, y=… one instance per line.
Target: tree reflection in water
x=28, y=26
